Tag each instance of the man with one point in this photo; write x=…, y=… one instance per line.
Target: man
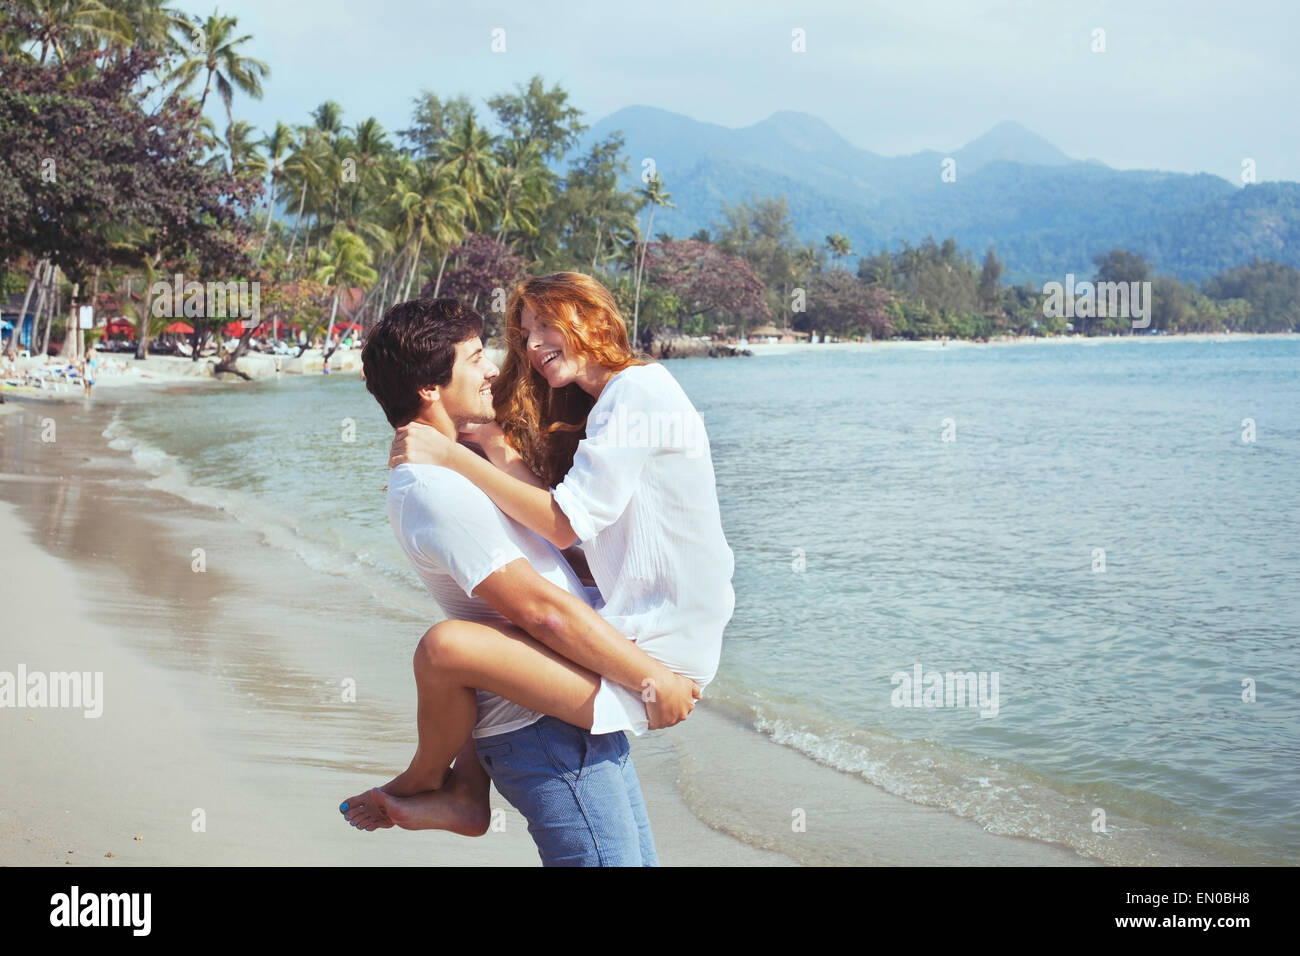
x=423, y=361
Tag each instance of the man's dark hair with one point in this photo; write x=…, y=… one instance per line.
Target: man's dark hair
x=413, y=346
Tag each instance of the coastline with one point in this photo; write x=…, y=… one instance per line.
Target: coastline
x=1223, y=338
x=161, y=371
x=221, y=695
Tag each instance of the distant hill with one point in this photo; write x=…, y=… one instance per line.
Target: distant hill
x=1046, y=213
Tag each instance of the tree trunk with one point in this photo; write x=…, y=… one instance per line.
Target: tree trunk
x=415, y=268
x=227, y=363
x=596, y=255
x=270, y=196
x=22, y=315
x=42, y=297
x=301, y=202
x=72, y=335
x=49, y=302
x=442, y=265
x=329, y=333
x=636, y=302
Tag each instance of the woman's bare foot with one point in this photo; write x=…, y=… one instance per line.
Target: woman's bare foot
x=368, y=811
x=416, y=778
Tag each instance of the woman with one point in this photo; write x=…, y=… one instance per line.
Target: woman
x=638, y=491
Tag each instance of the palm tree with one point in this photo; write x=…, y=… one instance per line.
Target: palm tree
x=305, y=170
x=839, y=246
x=328, y=118
x=326, y=130
x=433, y=207
x=244, y=155
x=522, y=186
x=468, y=153
x=60, y=25
x=653, y=193
x=347, y=263
x=367, y=148
x=277, y=144
x=212, y=55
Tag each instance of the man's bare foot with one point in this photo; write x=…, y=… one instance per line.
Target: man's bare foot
x=455, y=808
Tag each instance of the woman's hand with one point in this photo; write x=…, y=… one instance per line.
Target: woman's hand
x=487, y=436
x=419, y=444
x=669, y=700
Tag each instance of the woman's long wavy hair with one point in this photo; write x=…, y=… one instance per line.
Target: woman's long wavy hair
x=544, y=424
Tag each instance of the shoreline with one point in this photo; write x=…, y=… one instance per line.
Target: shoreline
x=254, y=669
x=162, y=371
x=772, y=349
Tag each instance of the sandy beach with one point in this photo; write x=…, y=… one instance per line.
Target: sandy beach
x=224, y=739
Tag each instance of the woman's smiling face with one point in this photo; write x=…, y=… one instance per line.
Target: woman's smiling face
x=546, y=350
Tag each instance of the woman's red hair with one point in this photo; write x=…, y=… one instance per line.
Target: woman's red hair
x=544, y=424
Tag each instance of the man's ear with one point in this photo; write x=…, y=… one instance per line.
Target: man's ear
x=429, y=394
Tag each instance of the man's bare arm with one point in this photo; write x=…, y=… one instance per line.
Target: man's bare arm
x=570, y=627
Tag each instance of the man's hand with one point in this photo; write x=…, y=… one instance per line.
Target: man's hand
x=419, y=444
x=669, y=700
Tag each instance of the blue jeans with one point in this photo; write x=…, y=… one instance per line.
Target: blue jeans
x=579, y=793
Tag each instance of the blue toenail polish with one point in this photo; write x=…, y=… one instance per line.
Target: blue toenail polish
x=343, y=807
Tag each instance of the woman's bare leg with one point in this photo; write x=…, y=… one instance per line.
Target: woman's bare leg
x=452, y=659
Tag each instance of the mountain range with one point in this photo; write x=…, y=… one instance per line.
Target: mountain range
x=1045, y=213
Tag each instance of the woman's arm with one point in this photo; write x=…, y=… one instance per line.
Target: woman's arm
x=500, y=452
x=531, y=506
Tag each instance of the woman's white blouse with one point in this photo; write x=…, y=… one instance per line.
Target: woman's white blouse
x=642, y=498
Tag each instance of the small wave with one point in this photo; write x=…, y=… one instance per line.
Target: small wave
x=1002, y=797
x=397, y=588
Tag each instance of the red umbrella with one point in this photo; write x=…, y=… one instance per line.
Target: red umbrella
x=179, y=327
x=120, y=327
x=234, y=329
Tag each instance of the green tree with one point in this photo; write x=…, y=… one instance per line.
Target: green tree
x=347, y=262
x=540, y=117
x=839, y=246
x=213, y=55
x=654, y=195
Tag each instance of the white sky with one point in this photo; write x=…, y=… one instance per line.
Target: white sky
x=1184, y=85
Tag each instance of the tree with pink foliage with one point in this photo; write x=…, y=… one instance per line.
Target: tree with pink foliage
x=707, y=281
x=477, y=269
x=840, y=303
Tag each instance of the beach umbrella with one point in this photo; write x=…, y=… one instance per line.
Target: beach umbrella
x=179, y=327
x=234, y=330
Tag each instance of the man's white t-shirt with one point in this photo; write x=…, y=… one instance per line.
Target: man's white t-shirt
x=455, y=537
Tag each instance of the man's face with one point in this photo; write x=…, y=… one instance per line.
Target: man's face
x=467, y=398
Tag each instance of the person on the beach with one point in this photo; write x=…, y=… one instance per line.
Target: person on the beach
x=423, y=361
x=638, y=491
